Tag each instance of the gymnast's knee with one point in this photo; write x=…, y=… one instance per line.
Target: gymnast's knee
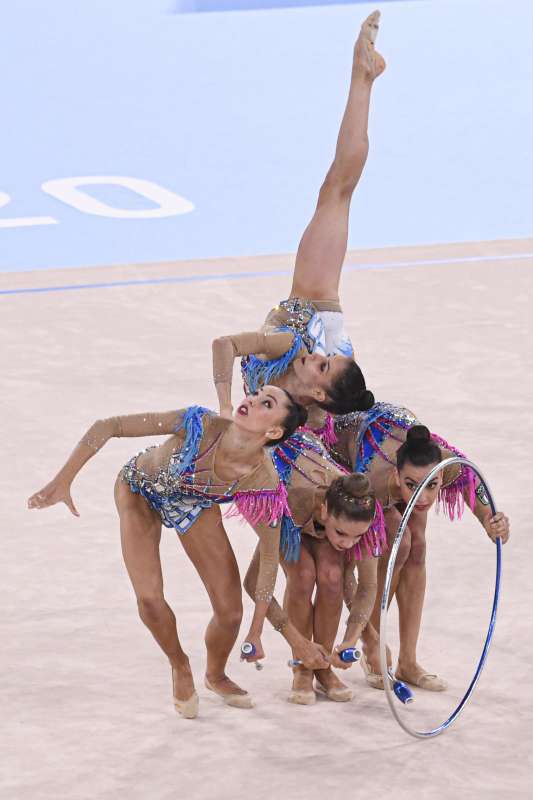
x=151, y=607
x=341, y=180
x=417, y=554
x=228, y=615
x=330, y=579
x=301, y=584
x=404, y=552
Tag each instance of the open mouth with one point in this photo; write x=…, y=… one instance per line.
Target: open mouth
x=243, y=410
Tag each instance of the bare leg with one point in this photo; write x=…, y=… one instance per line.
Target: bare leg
x=370, y=635
x=140, y=531
x=327, y=612
x=208, y=547
x=410, y=597
x=323, y=246
x=301, y=579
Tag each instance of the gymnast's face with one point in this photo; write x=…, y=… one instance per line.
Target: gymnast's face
x=317, y=373
x=263, y=412
x=342, y=533
x=409, y=479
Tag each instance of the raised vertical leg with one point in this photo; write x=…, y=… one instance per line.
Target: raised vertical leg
x=323, y=245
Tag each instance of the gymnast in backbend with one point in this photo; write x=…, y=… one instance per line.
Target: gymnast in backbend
x=302, y=345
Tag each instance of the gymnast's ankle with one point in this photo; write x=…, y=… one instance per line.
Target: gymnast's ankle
x=180, y=662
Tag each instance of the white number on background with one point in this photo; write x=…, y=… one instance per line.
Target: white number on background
x=22, y=222
x=68, y=191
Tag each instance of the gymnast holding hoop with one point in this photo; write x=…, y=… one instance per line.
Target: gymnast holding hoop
x=302, y=345
x=206, y=461
x=397, y=454
x=333, y=516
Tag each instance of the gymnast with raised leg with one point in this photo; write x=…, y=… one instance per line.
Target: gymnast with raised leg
x=388, y=445
x=332, y=516
x=206, y=461
x=302, y=345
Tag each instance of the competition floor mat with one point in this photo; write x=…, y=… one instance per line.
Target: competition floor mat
x=87, y=710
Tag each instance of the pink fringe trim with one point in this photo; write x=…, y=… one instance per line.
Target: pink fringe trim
x=266, y=506
x=326, y=433
x=453, y=499
x=374, y=540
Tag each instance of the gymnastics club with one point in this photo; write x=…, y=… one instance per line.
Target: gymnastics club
x=248, y=649
x=350, y=654
x=402, y=692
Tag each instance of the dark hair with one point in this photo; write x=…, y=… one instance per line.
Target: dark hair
x=351, y=496
x=419, y=449
x=348, y=393
x=295, y=417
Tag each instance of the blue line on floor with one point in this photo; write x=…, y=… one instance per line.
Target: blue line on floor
x=70, y=287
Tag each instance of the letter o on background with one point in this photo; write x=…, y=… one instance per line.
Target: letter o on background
x=69, y=191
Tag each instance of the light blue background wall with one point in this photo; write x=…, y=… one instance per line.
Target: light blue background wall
x=238, y=113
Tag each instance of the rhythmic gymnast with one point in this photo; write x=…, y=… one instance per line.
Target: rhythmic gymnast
x=302, y=345
x=397, y=453
x=206, y=461
x=334, y=516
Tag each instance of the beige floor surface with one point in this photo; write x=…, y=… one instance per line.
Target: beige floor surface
x=86, y=709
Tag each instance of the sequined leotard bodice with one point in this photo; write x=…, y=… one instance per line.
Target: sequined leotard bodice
x=368, y=442
x=307, y=470
x=295, y=327
x=178, y=479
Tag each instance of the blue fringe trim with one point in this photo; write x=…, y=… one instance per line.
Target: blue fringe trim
x=192, y=423
x=290, y=539
x=283, y=468
x=389, y=415
x=257, y=372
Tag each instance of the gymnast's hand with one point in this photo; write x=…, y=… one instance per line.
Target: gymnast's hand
x=259, y=653
x=497, y=526
x=311, y=654
x=57, y=491
x=336, y=660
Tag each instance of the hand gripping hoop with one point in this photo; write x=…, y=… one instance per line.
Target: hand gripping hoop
x=387, y=682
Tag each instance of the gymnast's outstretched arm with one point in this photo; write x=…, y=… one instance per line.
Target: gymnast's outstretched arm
x=146, y=424
x=312, y=655
x=227, y=348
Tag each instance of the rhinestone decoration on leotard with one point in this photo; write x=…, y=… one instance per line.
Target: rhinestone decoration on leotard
x=300, y=312
x=186, y=485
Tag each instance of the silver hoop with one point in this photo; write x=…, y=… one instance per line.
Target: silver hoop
x=387, y=681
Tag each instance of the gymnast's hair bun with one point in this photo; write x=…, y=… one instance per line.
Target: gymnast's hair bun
x=365, y=400
x=351, y=496
x=356, y=484
x=419, y=449
x=418, y=434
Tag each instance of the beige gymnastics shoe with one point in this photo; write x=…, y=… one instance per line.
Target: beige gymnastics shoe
x=234, y=699
x=374, y=679
x=301, y=697
x=335, y=693
x=367, y=61
x=302, y=693
x=424, y=680
x=188, y=709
